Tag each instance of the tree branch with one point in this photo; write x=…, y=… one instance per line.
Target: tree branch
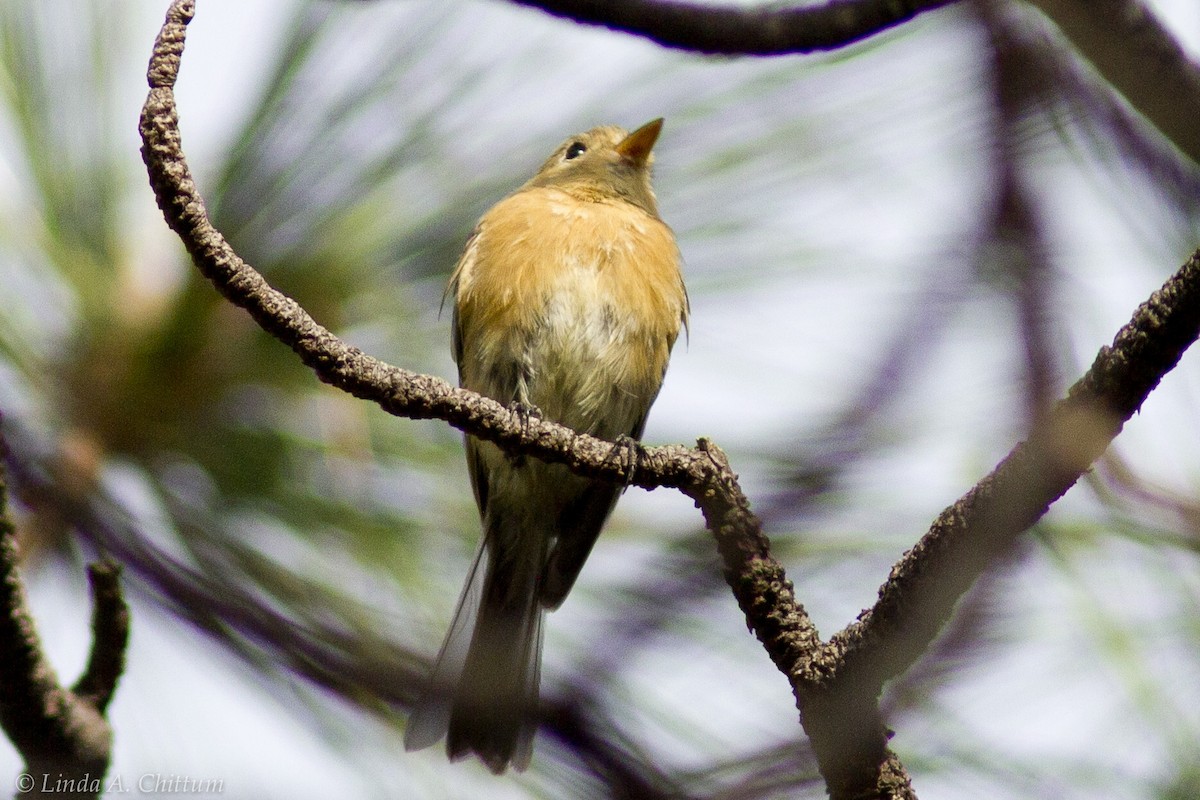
x=837, y=685
x=110, y=635
x=62, y=735
x=736, y=30
x=703, y=473
x=923, y=587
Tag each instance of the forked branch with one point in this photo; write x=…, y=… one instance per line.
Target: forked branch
x=62, y=734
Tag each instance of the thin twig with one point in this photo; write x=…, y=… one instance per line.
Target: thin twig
x=110, y=635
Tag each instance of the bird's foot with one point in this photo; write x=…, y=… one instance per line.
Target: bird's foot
x=627, y=452
x=524, y=414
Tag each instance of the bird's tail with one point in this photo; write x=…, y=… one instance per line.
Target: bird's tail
x=483, y=691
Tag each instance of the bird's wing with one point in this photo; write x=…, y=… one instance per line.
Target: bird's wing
x=579, y=526
x=466, y=263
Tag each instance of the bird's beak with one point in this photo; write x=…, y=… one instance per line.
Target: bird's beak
x=636, y=146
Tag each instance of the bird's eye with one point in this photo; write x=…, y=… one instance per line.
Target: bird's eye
x=575, y=150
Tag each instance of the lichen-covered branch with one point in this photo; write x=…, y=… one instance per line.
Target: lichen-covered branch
x=836, y=684
x=703, y=473
x=923, y=587
x=110, y=635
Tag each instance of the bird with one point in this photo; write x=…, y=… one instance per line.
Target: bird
x=567, y=301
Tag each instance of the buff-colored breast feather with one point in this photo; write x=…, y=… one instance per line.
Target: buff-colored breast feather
x=588, y=295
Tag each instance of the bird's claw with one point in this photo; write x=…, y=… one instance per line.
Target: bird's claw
x=524, y=413
x=626, y=451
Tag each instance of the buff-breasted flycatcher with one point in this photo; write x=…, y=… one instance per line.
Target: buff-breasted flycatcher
x=567, y=300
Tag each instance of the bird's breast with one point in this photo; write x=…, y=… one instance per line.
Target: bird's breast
x=572, y=306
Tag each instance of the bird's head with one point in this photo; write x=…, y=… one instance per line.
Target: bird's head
x=605, y=163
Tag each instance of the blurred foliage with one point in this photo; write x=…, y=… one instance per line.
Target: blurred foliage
x=860, y=342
